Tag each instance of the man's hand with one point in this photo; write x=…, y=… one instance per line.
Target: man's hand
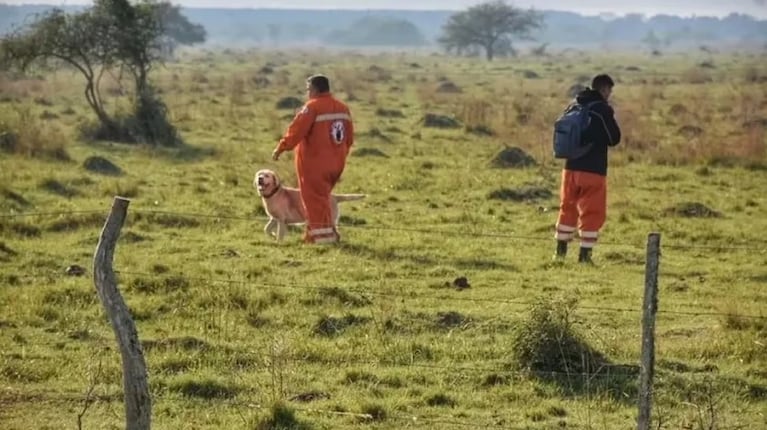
x=276, y=154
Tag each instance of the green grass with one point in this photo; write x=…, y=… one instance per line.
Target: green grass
x=241, y=332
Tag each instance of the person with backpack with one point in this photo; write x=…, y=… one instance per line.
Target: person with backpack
x=582, y=136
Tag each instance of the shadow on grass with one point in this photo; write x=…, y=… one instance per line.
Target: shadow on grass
x=182, y=153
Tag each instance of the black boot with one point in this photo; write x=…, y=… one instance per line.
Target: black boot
x=585, y=256
x=561, y=249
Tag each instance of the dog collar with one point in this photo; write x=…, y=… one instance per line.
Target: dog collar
x=277, y=188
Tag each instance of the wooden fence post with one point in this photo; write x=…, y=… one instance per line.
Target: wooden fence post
x=138, y=404
x=649, y=308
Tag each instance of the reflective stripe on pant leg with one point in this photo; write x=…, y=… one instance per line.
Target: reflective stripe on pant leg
x=589, y=238
x=565, y=232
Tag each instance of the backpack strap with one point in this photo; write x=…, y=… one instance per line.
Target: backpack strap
x=604, y=123
x=593, y=103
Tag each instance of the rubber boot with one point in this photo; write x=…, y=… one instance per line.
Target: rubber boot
x=585, y=256
x=561, y=250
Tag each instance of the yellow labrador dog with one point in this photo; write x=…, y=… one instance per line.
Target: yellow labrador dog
x=283, y=204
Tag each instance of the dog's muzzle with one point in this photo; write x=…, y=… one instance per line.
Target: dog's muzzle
x=260, y=181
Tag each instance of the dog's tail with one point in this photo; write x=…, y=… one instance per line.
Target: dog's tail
x=348, y=197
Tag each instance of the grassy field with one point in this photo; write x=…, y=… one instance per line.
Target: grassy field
x=241, y=332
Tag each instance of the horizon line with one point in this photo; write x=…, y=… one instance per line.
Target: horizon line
x=601, y=14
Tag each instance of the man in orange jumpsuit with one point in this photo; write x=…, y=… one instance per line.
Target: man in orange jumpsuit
x=583, y=196
x=322, y=134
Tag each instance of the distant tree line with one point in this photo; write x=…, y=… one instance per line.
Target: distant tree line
x=414, y=28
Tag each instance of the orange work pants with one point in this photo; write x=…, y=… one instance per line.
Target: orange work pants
x=316, y=187
x=583, y=206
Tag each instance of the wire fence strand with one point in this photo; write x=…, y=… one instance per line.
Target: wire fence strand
x=425, y=231
x=367, y=292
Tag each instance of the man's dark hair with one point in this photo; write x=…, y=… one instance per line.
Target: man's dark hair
x=320, y=83
x=602, y=81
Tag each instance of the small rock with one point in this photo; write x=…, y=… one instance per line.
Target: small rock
x=461, y=283
x=289, y=103
x=75, y=270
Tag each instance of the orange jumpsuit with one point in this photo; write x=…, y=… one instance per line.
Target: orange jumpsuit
x=322, y=134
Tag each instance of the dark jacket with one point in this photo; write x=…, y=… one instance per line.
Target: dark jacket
x=603, y=131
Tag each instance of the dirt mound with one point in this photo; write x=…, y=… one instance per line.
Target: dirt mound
x=378, y=134
x=529, y=74
x=6, y=252
x=439, y=121
x=510, y=158
x=448, y=87
x=678, y=109
x=480, y=130
x=756, y=123
x=369, y=152
x=14, y=197
x=101, y=165
x=289, y=103
x=330, y=326
x=692, y=210
x=261, y=82
x=8, y=141
x=690, y=131
x=377, y=73
x=451, y=319
x=389, y=113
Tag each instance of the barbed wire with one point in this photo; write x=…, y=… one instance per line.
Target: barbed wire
x=413, y=296
x=445, y=297
x=53, y=213
x=429, y=231
x=415, y=419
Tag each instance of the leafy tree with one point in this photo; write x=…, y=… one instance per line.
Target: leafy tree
x=177, y=30
x=489, y=26
x=110, y=34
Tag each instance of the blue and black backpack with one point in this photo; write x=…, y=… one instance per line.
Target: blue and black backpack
x=569, y=129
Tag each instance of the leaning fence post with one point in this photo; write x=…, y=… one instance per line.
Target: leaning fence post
x=138, y=404
x=649, y=308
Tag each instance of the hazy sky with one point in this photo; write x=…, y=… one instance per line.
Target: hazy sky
x=648, y=7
